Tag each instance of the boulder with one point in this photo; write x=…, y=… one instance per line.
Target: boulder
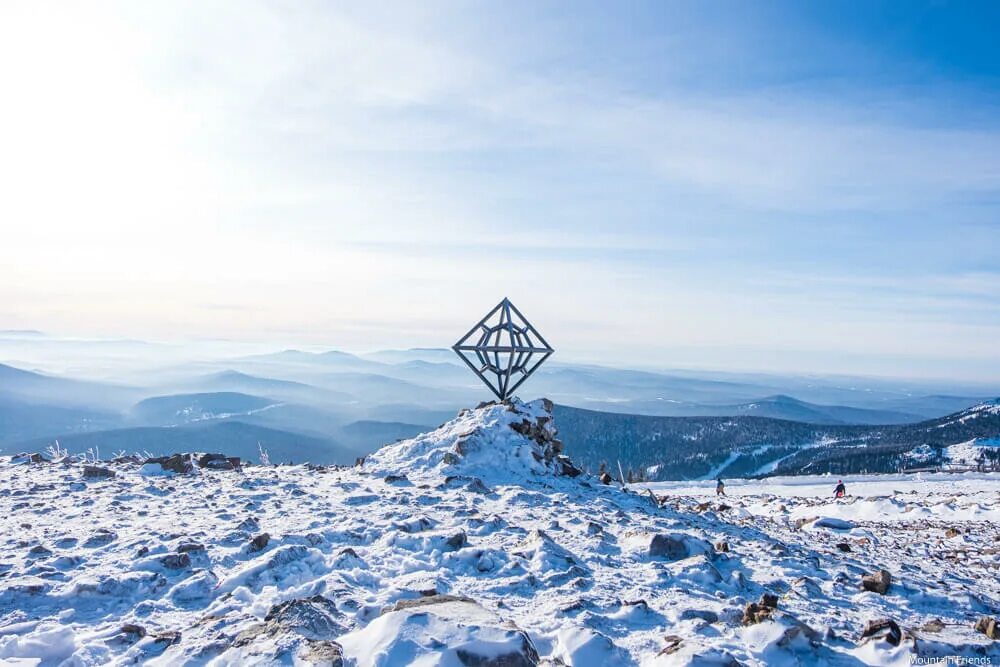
x=756, y=612
x=395, y=479
x=442, y=630
x=323, y=653
x=176, y=561
x=97, y=472
x=456, y=540
x=989, y=627
x=677, y=546
x=566, y=467
x=219, y=462
x=877, y=582
x=259, y=542
x=178, y=463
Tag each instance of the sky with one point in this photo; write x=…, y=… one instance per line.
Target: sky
x=777, y=186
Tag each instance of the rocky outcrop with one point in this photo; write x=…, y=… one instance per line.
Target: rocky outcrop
x=452, y=629
x=494, y=439
x=300, y=631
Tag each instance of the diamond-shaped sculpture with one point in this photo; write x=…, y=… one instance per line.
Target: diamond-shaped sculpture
x=503, y=349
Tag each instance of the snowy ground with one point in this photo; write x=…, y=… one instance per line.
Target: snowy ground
x=544, y=568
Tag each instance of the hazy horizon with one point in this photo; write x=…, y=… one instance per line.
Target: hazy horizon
x=781, y=187
x=105, y=358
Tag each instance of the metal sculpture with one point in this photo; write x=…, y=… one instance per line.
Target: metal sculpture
x=503, y=345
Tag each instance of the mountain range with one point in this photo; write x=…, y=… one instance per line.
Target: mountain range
x=332, y=406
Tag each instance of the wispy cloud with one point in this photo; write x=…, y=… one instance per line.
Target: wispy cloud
x=743, y=179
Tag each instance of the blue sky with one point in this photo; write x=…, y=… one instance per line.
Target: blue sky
x=732, y=185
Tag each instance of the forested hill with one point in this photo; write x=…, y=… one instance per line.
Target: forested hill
x=693, y=447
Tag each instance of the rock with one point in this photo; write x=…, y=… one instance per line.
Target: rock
x=754, y=613
x=605, y=478
x=168, y=638
x=97, y=472
x=706, y=615
x=178, y=463
x=473, y=484
x=249, y=524
x=313, y=618
x=757, y=612
x=673, y=642
x=323, y=653
x=989, y=627
x=798, y=629
x=802, y=521
x=212, y=460
x=442, y=630
x=677, y=546
x=395, y=479
x=566, y=466
x=176, y=561
x=456, y=541
x=100, y=537
x=259, y=542
x=828, y=522
x=39, y=551
x=877, y=582
x=844, y=546
x=189, y=547
x=933, y=625
x=883, y=628
x=133, y=632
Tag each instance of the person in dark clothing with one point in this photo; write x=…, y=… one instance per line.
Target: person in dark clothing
x=841, y=490
x=720, y=488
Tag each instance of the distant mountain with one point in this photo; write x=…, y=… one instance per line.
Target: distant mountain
x=232, y=438
x=185, y=408
x=786, y=407
x=235, y=381
x=428, y=354
x=330, y=359
x=52, y=390
x=20, y=420
x=702, y=447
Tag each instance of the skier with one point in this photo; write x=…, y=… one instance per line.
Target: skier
x=720, y=488
x=841, y=490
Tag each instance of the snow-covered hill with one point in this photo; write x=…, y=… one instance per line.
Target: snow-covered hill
x=477, y=544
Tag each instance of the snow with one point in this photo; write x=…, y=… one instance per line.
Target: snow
x=466, y=544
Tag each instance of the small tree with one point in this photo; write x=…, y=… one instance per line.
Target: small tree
x=265, y=458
